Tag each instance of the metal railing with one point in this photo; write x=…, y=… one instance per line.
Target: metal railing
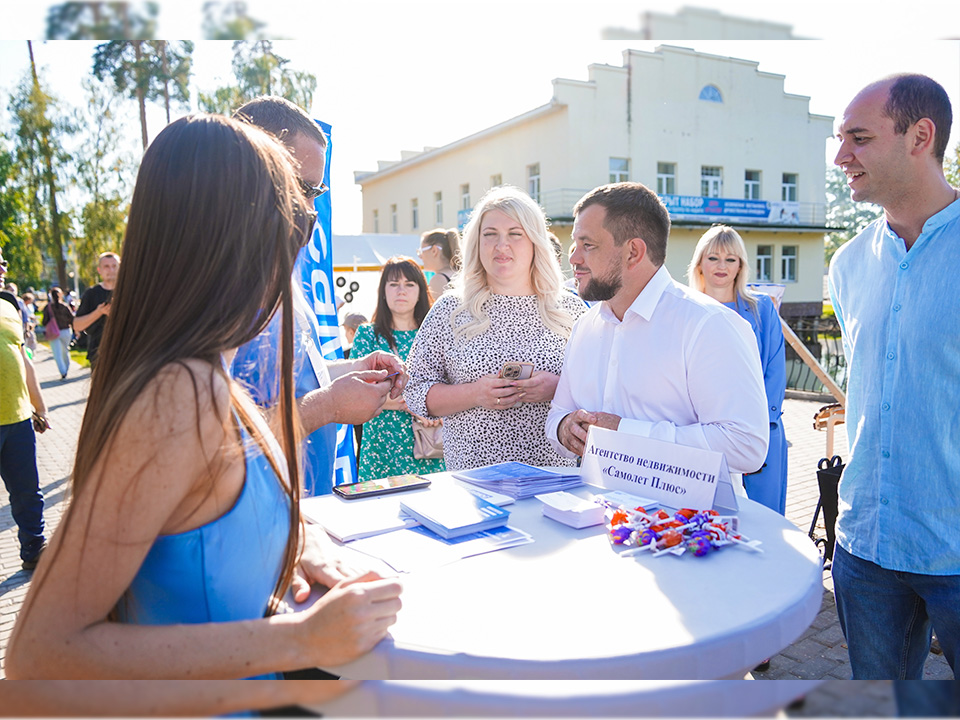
x=821, y=336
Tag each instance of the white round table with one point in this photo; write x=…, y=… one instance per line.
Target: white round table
x=568, y=607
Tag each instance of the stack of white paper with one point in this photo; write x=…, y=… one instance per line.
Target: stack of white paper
x=519, y=480
x=572, y=510
x=348, y=520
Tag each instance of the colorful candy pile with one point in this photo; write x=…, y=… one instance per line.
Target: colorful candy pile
x=699, y=531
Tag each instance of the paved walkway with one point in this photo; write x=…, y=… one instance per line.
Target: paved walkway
x=819, y=653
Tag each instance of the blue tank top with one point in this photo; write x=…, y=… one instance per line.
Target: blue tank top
x=224, y=570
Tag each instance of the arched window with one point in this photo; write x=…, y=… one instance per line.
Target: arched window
x=711, y=94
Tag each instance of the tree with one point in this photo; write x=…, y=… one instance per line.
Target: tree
x=233, y=22
x=843, y=213
x=259, y=71
x=24, y=256
x=951, y=167
x=101, y=21
x=176, y=60
x=103, y=172
x=40, y=154
x=146, y=70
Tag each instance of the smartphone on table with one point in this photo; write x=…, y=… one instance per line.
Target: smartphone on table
x=392, y=484
x=516, y=370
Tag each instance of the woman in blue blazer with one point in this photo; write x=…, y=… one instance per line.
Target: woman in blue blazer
x=719, y=268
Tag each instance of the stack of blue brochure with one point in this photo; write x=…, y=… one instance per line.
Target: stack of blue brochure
x=519, y=480
x=453, y=511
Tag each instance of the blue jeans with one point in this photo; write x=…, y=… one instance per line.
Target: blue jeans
x=927, y=698
x=887, y=617
x=18, y=467
x=61, y=350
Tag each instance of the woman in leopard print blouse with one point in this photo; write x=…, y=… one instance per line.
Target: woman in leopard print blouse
x=507, y=305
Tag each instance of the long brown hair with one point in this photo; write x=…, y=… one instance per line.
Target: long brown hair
x=399, y=266
x=216, y=221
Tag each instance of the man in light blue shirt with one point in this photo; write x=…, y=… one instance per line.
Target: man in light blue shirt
x=894, y=289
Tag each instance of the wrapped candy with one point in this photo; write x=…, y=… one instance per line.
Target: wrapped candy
x=699, y=531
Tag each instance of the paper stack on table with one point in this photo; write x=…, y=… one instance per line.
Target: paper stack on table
x=453, y=511
x=348, y=520
x=519, y=480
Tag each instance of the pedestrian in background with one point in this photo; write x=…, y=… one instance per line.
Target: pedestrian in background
x=60, y=313
x=22, y=414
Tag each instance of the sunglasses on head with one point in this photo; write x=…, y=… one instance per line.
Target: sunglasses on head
x=311, y=191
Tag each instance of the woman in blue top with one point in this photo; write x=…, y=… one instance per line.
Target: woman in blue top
x=720, y=268
x=184, y=529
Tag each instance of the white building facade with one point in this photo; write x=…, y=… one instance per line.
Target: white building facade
x=719, y=141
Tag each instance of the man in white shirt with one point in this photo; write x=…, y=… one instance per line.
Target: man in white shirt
x=655, y=358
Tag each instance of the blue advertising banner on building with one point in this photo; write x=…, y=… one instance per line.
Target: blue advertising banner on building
x=696, y=206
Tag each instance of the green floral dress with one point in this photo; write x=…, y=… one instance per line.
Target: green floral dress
x=387, y=444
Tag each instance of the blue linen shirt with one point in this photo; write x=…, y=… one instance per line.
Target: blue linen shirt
x=899, y=313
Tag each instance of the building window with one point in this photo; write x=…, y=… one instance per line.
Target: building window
x=496, y=180
x=376, y=221
x=666, y=178
x=788, y=263
x=533, y=181
x=465, y=197
x=788, y=190
x=414, y=214
x=751, y=185
x=438, y=204
x=764, y=262
x=710, y=93
x=619, y=170
x=711, y=181
x=393, y=218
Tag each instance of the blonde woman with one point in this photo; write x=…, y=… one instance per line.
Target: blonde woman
x=507, y=304
x=719, y=268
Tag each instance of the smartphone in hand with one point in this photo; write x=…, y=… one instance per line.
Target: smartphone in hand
x=516, y=370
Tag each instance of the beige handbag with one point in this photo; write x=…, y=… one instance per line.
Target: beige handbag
x=427, y=441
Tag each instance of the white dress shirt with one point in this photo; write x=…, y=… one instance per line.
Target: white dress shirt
x=679, y=367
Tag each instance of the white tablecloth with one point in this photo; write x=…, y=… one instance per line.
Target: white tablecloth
x=568, y=607
x=565, y=698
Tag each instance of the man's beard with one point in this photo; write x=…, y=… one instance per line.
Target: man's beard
x=598, y=289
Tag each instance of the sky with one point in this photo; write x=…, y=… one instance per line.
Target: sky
x=396, y=76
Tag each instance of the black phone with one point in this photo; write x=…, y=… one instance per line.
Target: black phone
x=392, y=484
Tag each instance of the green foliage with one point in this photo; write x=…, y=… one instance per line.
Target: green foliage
x=259, y=71
x=843, y=213
x=103, y=172
x=24, y=256
x=40, y=157
x=146, y=71
x=232, y=23
x=101, y=21
x=951, y=167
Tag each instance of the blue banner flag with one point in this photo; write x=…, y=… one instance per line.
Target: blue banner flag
x=329, y=456
x=314, y=267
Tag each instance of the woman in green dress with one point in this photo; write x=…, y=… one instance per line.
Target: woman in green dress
x=402, y=303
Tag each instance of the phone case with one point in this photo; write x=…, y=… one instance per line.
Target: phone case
x=516, y=370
